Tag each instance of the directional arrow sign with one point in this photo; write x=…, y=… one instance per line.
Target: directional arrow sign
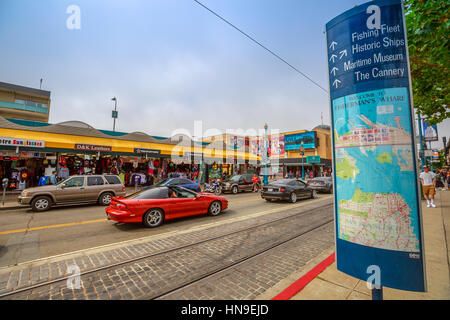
x=333, y=56
x=336, y=82
x=333, y=71
x=334, y=43
x=343, y=53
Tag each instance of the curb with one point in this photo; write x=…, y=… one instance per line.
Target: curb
x=13, y=207
x=298, y=285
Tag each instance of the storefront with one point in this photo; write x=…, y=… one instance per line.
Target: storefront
x=76, y=148
x=21, y=168
x=292, y=167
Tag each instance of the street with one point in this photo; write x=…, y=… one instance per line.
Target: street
x=26, y=235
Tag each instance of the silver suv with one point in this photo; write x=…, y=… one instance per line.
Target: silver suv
x=74, y=190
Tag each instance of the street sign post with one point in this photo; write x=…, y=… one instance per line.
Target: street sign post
x=379, y=236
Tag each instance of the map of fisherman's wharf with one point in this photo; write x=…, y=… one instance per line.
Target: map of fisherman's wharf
x=374, y=169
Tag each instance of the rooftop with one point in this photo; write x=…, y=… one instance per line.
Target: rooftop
x=22, y=89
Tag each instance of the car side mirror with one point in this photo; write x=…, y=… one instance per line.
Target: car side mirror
x=63, y=185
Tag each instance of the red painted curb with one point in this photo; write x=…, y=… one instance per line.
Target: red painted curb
x=298, y=285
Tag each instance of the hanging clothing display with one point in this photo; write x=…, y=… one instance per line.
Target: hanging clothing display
x=63, y=172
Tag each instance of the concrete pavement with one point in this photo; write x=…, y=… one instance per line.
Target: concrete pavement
x=332, y=284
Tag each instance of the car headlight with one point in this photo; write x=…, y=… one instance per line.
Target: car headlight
x=25, y=193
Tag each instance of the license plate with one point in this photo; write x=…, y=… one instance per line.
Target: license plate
x=269, y=189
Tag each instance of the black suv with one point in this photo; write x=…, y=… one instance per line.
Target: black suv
x=238, y=183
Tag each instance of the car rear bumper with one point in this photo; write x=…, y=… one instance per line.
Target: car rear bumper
x=274, y=195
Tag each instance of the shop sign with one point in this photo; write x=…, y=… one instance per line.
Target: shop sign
x=21, y=142
x=297, y=140
x=91, y=147
x=312, y=159
x=147, y=151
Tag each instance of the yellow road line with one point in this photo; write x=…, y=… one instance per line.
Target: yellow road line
x=247, y=200
x=85, y=222
x=53, y=226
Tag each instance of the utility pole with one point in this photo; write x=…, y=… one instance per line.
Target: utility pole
x=422, y=153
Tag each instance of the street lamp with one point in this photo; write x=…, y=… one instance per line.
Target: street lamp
x=114, y=113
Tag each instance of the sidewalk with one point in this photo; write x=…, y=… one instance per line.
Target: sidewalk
x=335, y=285
x=331, y=284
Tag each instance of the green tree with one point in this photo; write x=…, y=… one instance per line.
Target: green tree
x=427, y=23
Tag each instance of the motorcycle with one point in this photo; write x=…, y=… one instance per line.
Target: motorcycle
x=214, y=187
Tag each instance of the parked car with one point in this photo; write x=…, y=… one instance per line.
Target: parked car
x=77, y=189
x=238, y=183
x=287, y=189
x=322, y=184
x=153, y=206
x=180, y=182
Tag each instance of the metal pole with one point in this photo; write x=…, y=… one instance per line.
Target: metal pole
x=422, y=153
x=303, y=167
x=266, y=146
x=377, y=294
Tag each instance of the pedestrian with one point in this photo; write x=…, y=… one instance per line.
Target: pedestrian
x=448, y=179
x=53, y=179
x=443, y=177
x=440, y=180
x=151, y=180
x=255, y=180
x=428, y=180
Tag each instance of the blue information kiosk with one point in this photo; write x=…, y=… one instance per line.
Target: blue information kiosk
x=378, y=223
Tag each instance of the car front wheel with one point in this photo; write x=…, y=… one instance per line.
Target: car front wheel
x=234, y=190
x=215, y=208
x=41, y=204
x=314, y=194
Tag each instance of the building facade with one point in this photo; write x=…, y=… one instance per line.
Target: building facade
x=19, y=102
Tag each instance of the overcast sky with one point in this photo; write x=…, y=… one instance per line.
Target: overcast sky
x=171, y=62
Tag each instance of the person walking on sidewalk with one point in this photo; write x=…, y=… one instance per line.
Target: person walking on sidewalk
x=256, y=185
x=428, y=179
x=448, y=179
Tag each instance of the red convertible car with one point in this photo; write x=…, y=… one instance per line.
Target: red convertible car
x=155, y=205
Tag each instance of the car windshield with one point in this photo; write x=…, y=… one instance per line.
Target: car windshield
x=151, y=193
x=235, y=178
x=183, y=192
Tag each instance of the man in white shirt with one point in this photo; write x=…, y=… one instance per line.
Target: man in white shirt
x=428, y=180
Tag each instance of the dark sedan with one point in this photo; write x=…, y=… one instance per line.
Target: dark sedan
x=287, y=189
x=322, y=184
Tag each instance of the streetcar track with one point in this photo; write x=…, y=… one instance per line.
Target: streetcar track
x=154, y=254
x=235, y=264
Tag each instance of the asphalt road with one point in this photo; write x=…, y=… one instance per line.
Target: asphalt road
x=26, y=235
